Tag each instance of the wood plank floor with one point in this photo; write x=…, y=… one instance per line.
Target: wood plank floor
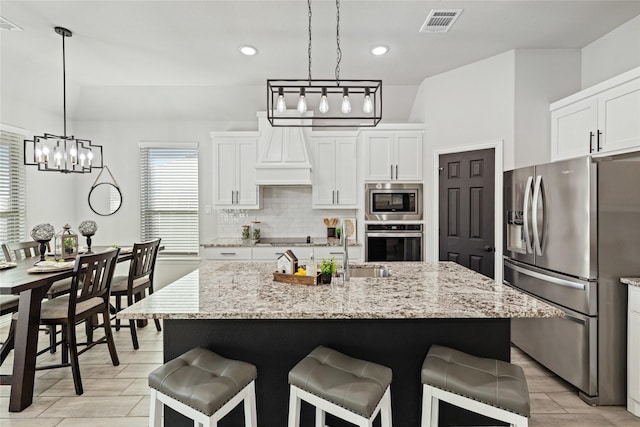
x=118, y=395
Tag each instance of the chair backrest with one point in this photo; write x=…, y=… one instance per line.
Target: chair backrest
x=22, y=250
x=92, y=274
x=5, y=252
x=143, y=260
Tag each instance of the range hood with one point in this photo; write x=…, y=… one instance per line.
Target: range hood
x=283, y=155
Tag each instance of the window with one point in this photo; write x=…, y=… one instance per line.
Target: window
x=12, y=187
x=169, y=196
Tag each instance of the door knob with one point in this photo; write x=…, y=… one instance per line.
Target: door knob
x=488, y=248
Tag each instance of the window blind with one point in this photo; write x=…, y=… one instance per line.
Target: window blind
x=169, y=198
x=12, y=188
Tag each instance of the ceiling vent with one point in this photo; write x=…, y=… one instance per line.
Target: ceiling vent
x=440, y=20
x=7, y=25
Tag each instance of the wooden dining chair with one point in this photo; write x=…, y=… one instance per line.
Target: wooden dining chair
x=31, y=249
x=89, y=297
x=134, y=285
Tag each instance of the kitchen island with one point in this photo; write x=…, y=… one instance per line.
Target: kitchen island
x=236, y=309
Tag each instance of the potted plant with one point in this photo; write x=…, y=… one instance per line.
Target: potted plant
x=327, y=269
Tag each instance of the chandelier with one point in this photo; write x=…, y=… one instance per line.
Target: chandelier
x=337, y=103
x=64, y=153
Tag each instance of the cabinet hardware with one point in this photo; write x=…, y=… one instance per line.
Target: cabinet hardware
x=598, y=140
x=391, y=167
x=337, y=197
x=591, y=142
x=227, y=253
x=278, y=254
x=232, y=202
x=396, y=171
x=333, y=197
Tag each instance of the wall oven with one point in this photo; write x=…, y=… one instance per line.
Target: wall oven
x=391, y=201
x=393, y=242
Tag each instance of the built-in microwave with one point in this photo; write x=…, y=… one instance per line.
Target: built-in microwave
x=392, y=201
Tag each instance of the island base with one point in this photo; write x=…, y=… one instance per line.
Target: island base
x=275, y=346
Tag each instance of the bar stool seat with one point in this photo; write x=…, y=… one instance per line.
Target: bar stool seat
x=203, y=386
x=494, y=388
x=352, y=389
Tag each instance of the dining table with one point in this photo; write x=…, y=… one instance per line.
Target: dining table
x=31, y=287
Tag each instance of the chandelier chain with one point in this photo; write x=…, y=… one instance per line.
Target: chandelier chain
x=64, y=88
x=309, y=49
x=338, y=49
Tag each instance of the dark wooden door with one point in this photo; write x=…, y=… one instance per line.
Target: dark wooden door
x=466, y=209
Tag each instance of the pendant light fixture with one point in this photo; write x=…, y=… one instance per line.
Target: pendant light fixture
x=65, y=154
x=330, y=100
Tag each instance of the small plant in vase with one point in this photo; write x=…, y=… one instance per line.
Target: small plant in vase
x=327, y=269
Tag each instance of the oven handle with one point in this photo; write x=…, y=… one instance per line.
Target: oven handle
x=396, y=234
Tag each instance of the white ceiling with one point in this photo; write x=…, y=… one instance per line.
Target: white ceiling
x=169, y=48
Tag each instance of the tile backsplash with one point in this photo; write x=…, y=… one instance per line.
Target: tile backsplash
x=286, y=212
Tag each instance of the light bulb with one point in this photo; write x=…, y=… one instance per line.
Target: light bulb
x=57, y=155
x=346, y=104
x=73, y=152
x=39, y=152
x=324, y=103
x=281, y=107
x=367, y=105
x=45, y=152
x=89, y=156
x=82, y=159
x=302, y=102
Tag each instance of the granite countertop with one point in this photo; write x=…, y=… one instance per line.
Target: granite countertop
x=238, y=242
x=633, y=281
x=246, y=290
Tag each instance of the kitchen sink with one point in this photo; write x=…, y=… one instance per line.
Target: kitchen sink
x=368, y=271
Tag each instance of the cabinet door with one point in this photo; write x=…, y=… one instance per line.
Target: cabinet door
x=324, y=172
x=225, y=171
x=378, y=156
x=247, y=191
x=573, y=130
x=272, y=253
x=619, y=117
x=230, y=253
x=345, y=173
x=408, y=156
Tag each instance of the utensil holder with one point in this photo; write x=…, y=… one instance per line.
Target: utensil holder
x=331, y=232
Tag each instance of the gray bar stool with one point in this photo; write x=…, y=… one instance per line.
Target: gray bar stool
x=203, y=386
x=489, y=387
x=351, y=389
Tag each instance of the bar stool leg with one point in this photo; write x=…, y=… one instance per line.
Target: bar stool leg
x=155, y=411
x=294, y=408
x=429, y=407
x=320, y=417
x=250, y=415
x=385, y=410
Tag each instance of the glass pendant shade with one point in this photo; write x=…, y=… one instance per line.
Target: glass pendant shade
x=281, y=107
x=302, y=102
x=346, y=103
x=324, y=103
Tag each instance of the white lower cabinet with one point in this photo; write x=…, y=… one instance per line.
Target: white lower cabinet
x=337, y=252
x=229, y=253
x=271, y=253
x=633, y=352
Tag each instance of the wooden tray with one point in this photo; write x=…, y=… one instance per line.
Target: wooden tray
x=296, y=280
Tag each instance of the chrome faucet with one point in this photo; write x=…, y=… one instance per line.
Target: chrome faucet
x=343, y=235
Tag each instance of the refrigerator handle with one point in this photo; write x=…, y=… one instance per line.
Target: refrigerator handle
x=525, y=214
x=538, y=226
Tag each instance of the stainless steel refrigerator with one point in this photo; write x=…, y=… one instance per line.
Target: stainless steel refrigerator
x=572, y=229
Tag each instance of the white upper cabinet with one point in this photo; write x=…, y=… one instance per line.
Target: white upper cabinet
x=334, y=172
x=604, y=119
x=234, y=161
x=393, y=155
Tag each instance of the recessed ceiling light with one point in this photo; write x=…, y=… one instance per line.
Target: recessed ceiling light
x=248, y=50
x=379, y=50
